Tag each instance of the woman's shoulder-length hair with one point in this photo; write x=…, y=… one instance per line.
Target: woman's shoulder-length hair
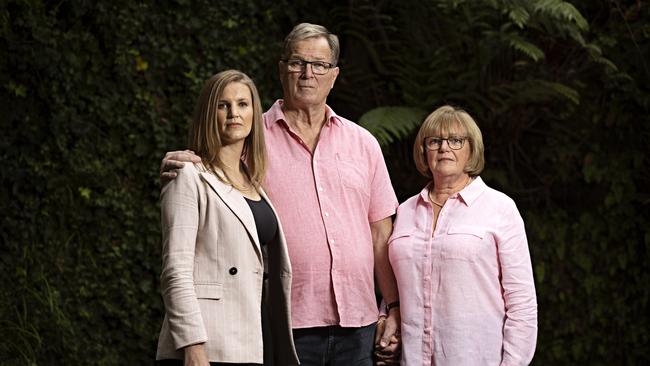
x=442, y=121
x=204, y=138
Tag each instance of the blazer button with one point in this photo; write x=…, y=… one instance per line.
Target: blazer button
x=233, y=271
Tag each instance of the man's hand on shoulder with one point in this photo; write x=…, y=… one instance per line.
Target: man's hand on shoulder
x=175, y=160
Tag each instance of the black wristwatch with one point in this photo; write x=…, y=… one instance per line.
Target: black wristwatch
x=394, y=304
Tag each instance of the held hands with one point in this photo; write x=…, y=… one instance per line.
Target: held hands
x=195, y=355
x=388, y=340
x=175, y=160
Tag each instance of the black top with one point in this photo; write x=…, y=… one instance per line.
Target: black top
x=265, y=221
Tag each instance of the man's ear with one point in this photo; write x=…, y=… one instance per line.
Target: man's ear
x=336, y=74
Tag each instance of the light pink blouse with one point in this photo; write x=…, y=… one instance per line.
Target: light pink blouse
x=466, y=290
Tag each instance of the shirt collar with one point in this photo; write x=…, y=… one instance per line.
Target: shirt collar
x=275, y=114
x=467, y=195
x=470, y=193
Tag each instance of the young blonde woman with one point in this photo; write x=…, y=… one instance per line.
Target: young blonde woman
x=226, y=276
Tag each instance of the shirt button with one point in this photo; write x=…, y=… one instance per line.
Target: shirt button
x=320, y=189
x=233, y=271
x=327, y=214
x=332, y=241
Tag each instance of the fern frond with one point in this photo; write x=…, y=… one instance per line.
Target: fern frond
x=559, y=9
x=519, y=16
x=561, y=89
x=523, y=46
x=388, y=124
x=607, y=62
x=533, y=91
x=596, y=54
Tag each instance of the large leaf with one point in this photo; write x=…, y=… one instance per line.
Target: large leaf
x=559, y=9
x=520, y=44
x=388, y=124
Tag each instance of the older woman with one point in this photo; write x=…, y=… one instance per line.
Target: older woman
x=223, y=247
x=460, y=256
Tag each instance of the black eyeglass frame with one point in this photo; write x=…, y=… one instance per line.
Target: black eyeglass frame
x=440, y=140
x=303, y=65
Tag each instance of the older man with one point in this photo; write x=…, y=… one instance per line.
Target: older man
x=329, y=183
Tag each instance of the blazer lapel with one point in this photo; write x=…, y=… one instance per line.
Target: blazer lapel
x=237, y=204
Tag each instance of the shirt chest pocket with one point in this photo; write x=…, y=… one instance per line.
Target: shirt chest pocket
x=463, y=243
x=351, y=174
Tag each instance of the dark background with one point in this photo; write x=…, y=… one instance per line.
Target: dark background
x=94, y=92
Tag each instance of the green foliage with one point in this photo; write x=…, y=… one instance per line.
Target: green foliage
x=93, y=94
x=390, y=123
x=562, y=103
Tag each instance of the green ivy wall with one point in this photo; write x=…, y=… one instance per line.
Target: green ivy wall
x=94, y=92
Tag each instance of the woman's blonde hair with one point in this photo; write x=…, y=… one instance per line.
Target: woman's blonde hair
x=441, y=122
x=204, y=138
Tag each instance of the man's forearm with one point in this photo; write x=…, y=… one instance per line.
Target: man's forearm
x=381, y=231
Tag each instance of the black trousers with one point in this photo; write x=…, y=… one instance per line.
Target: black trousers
x=335, y=346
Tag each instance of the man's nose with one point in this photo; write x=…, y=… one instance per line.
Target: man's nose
x=308, y=71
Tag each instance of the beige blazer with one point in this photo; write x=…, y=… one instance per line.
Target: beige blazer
x=212, y=274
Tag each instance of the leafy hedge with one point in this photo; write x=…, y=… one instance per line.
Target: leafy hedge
x=95, y=92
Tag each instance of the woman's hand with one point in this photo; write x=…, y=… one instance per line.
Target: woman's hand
x=195, y=355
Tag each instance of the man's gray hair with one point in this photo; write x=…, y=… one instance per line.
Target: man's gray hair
x=304, y=31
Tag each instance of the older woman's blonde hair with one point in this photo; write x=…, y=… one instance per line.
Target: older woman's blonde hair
x=204, y=137
x=304, y=31
x=441, y=122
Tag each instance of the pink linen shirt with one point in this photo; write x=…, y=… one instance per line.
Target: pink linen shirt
x=326, y=202
x=467, y=292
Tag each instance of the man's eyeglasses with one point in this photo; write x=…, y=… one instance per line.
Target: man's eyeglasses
x=317, y=67
x=454, y=142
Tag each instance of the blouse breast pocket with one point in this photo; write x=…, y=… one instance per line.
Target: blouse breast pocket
x=463, y=243
x=400, y=247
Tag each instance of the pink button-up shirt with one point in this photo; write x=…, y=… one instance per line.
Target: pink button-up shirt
x=466, y=290
x=326, y=202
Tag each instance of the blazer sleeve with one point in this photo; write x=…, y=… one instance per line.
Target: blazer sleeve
x=180, y=220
